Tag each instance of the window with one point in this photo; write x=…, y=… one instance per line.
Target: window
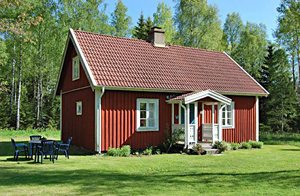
x=78, y=108
x=228, y=116
x=147, y=115
x=75, y=68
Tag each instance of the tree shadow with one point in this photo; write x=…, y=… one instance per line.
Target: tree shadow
x=112, y=182
x=293, y=149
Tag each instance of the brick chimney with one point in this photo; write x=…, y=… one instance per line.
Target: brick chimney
x=157, y=37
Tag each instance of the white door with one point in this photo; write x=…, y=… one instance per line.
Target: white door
x=192, y=125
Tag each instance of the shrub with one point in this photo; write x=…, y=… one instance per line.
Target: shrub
x=198, y=149
x=125, y=151
x=173, y=138
x=235, y=146
x=255, y=144
x=119, y=152
x=221, y=146
x=147, y=151
x=113, y=152
x=246, y=145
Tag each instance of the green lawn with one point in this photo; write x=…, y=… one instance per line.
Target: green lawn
x=274, y=170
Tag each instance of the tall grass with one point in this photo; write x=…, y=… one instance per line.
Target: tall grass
x=280, y=138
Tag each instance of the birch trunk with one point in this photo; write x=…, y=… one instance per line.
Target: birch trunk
x=19, y=88
x=12, y=93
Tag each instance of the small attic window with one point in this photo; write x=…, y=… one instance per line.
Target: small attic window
x=75, y=68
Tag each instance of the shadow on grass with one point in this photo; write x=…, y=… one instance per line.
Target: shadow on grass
x=294, y=149
x=120, y=183
x=6, y=149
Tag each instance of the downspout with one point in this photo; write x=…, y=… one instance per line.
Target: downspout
x=98, y=99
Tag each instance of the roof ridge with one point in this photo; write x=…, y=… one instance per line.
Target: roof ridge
x=113, y=36
x=143, y=41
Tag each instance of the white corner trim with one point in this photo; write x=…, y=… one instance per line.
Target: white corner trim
x=98, y=99
x=257, y=118
x=60, y=114
x=247, y=73
x=83, y=59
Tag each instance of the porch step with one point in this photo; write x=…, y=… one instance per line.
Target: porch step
x=207, y=147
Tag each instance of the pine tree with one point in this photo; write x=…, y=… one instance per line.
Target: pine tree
x=120, y=21
x=282, y=103
x=141, y=31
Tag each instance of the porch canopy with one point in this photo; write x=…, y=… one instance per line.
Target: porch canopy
x=198, y=95
x=214, y=131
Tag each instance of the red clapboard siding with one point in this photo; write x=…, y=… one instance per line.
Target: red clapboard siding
x=66, y=83
x=245, y=120
x=81, y=128
x=119, y=120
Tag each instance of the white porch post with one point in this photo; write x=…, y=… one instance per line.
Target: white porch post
x=172, y=126
x=187, y=124
x=196, y=122
x=213, y=122
x=220, y=122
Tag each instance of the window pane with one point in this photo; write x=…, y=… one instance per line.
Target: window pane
x=142, y=123
x=151, y=110
x=229, y=114
x=143, y=114
x=229, y=108
x=229, y=122
x=223, y=114
x=142, y=106
x=223, y=122
x=151, y=122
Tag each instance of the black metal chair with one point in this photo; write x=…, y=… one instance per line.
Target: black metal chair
x=18, y=148
x=31, y=146
x=47, y=147
x=64, y=147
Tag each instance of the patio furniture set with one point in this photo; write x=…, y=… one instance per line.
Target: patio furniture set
x=40, y=148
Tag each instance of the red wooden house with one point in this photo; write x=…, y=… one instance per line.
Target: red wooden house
x=116, y=91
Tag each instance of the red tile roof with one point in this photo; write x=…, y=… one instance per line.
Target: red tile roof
x=124, y=62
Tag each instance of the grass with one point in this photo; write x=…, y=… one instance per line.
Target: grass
x=280, y=138
x=273, y=170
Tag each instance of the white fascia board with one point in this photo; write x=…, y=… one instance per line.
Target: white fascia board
x=247, y=73
x=83, y=60
x=61, y=65
x=207, y=93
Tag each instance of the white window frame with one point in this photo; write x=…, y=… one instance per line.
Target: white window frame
x=156, y=114
x=75, y=65
x=78, y=105
x=230, y=126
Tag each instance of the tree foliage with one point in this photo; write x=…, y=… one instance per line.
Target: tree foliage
x=120, y=21
x=163, y=18
x=233, y=28
x=288, y=31
x=143, y=27
x=251, y=51
x=280, y=108
x=198, y=25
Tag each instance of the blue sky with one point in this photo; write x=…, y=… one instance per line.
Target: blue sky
x=257, y=11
